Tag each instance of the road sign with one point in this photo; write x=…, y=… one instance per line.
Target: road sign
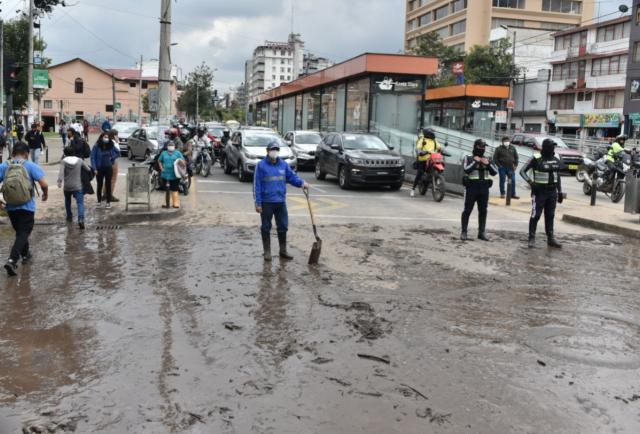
x=41, y=79
x=511, y=104
x=501, y=117
x=457, y=68
x=118, y=106
x=37, y=58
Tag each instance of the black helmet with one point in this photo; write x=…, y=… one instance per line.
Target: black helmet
x=479, y=146
x=185, y=134
x=548, y=148
x=201, y=130
x=429, y=133
x=621, y=139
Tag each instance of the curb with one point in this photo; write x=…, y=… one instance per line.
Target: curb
x=127, y=218
x=607, y=227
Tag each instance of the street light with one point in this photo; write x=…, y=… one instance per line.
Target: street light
x=511, y=82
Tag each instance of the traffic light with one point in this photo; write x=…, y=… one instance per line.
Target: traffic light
x=11, y=77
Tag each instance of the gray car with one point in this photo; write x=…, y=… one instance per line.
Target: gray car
x=247, y=148
x=145, y=142
x=304, y=145
x=125, y=129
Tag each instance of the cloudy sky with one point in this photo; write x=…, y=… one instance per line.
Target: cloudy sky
x=222, y=33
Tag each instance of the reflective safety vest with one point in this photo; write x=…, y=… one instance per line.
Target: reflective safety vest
x=546, y=172
x=428, y=145
x=616, y=148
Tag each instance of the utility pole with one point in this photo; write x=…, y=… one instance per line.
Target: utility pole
x=164, y=73
x=197, y=100
x=140, y=94
x=511, y=82
x=2, y=118
x=30, y=63
x=524, y=95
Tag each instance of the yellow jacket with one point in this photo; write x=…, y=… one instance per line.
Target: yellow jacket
x=428, y=145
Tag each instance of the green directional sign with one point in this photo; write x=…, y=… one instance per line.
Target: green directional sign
x=634, y=118
x=118, y=106
x=41, y=79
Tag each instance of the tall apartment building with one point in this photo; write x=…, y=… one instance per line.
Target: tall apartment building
x=632, y=88
x=313, y=63
x=465, y=23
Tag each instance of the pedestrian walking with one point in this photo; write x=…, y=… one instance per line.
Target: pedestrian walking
x=62, y=130
x=85, y=130
x=80, y=148
x=36, y=142
x=477, y=181
x=166, y=163
x=70, y=179
x=113, y=135
x=546, y=191
x=506, y=158
x=106, y=126
x=19, y=132
x=425, y=145
x=270, y=192
x=18, y=177
x=103, y=154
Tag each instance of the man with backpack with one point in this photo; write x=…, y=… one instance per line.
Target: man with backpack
x=18, y=177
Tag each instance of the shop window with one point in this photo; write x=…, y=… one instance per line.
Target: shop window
x=298, y=122
x=328, y=110
x=358, y=105
x=514, y=4
x=311, y=111
x=79, y=86
x=340, y=101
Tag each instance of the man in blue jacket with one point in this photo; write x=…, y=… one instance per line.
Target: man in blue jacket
x=270, y=192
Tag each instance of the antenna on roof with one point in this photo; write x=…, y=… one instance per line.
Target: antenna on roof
x=292, y=14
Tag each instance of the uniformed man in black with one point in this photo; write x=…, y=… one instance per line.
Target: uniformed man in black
x=546, y=190
x=477, y=181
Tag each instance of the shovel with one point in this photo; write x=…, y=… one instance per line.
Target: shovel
x=317, y=245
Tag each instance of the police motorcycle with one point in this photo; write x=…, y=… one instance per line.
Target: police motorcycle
x=607, y=179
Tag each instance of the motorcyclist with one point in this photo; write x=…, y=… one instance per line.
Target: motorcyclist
x=202, y=142
x=615, y=150
x=477, y=181
x=425, y=145
x=226, y=135
x=546, y=190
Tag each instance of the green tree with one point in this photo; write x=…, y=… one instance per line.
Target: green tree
x=198, y=88
x=16, y=49
x=431, y=45
x=47, y=5
x=490, y=64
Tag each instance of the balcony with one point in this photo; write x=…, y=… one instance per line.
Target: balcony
x=580, y=51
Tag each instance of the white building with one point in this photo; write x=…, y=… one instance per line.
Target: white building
x=586, y=92
x=314, y=63
x=533, y=47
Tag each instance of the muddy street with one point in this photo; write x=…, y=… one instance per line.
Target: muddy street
x=174, y=329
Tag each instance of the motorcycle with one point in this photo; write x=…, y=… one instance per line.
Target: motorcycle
x=155, y=180
x=434, y=177
x=204, y=162
x=582, y=173
x=608, y=180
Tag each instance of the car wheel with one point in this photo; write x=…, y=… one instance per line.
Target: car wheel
x=242, y=175
x=130, y=155
x=320, y=175
x=344, y=178
x=226, y=167
x=147, y=155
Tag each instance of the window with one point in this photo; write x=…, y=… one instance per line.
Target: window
x=584, y=96
x=613, y=32
x=288, y=77
x=638, y=16
x=577, y=39
x=636, y=52
x=413, y=24
x=556, y=26
x=609, y=99
x=79, y=86
x=458, y=47
x=562, y=102
x=425, y=19
x=413, y=43
x=358, y=105
x=609, y=66
x=458, y=5
x=132, y=84
x=282, y=77
x=515, y=4
x=288, y=69
x=443, y=32
x=564, y=6
x=412, y=5
x=441, y=12
x=498, y=22
x=48, y=104
x=80, y=116
x=145, y=85
x=282, y=69
x=459, y=27
x=569, y=70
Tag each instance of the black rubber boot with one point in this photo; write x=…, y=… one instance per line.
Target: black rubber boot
x=282, y=240
x=465, y=226
x=552, y=242
x=482, y=227
x=167, y=199
x=532, y=242
x=266, y=246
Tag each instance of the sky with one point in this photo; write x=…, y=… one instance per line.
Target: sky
x=222, y=33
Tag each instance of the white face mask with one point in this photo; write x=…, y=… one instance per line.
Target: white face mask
x=274, y=154
x=505, y=143
x=171, y=148
x=105, y=140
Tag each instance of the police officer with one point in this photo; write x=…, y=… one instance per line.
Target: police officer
x=477, y=181
x=425, y=145
x=270, y=192
x=546, y=190
x=615, y=150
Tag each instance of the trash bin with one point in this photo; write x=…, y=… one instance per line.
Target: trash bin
x=138, y=188
x=632, y=194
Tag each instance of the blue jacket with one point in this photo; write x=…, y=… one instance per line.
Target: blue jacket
x=103, y=157
x=270, y=181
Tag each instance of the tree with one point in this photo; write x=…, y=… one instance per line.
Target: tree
x=198, y=87
x=431, y=45
x=16, y=49
x=47, y=5
x=490, y=64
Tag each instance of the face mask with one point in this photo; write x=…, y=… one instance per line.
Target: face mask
x=171, y=148
x=105, y=141
x=274, y=155
x=505, y=143
x=478, y=152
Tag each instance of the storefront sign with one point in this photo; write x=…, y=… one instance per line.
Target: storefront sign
x=389, y=84
x=41, y=79
x=479, y=104
x=602, y=120
x=635, y=118
x=501, y=117
x=457, y=68
x=511, y=104
x=568, y=120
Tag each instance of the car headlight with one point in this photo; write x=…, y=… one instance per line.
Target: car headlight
x=358, y=161
x=251, y=156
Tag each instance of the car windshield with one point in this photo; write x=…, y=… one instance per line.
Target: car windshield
x=262, y=140
x=351, y=141
x=558, y=141
x=308, y=138
x=152, y=133
x=216, y=132
x=128, y=129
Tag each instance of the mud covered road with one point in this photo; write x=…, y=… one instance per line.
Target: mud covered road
x=400, y=330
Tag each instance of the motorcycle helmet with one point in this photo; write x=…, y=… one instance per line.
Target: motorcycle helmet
x=621, y=139
x=479, y=147
x=201, y=130
x=185, y=135
x=172, y=133
x=429, y=133
x=548, y=148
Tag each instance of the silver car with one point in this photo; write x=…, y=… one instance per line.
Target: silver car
x=304, y=145
x=125, y=129
x=145, y=142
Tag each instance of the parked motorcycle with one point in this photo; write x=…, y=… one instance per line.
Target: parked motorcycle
x=434, y=177
x=155, y=181
x=582, y=173
x=610, y=181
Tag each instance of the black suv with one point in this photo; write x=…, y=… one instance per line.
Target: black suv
x=359, y=159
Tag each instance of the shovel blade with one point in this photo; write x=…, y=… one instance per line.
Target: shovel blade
x=314, y=257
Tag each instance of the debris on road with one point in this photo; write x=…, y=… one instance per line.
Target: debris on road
x=383, y=359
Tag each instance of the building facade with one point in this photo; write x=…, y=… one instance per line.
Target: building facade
x=586, y=92
x=465, y=23
x=313, y=63
x=632, y=85
x=530, y=97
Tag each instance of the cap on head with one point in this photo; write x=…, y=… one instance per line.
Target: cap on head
x=273, y=145
x=479, y=147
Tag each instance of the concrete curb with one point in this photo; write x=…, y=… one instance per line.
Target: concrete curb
x=607, y=227
x=133, y=217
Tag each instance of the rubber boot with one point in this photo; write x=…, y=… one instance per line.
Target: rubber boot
x=175, y=198
x=266, y=246
x=167, y=195
x=552, y=242
x=282, y=240
x=532, y=241
x=482, y=226
x=465, y=226
x=533, y=225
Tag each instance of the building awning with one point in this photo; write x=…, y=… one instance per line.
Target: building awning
x=368, y=63
x=470, y=90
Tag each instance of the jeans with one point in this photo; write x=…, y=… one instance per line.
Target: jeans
x=79, y=197
x=35, y=155
x=64, y=140
x=511, y=173
x=279, y=210
x=104, y=180
x=22, y=222
x=422, y=166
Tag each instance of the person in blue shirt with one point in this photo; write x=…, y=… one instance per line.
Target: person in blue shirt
x=106, y=126
x=103, y=156
x=166, y=163
x=270, y=192
x=22, y=216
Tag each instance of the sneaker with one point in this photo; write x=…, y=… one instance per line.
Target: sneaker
x=502, y=196
x=27, y=258
x=108, y=205
x=11, y=267
x=114, y=199
x=81, y=224
x=412, y=194
x=100, y=205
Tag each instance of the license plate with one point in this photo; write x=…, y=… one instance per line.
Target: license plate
x=573, y=167
x=383, y=173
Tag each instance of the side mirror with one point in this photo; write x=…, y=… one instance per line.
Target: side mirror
x=391, y=147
